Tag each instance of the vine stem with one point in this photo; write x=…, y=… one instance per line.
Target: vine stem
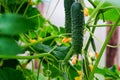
x=38, y=72
x=67, y=57
x=26, y=10
x=85, y=60
x=95, y=11
x=103, y=25
x=103, y=48
x=20, y=7
x=45, y=39
x=92, y=3
x=28, y=57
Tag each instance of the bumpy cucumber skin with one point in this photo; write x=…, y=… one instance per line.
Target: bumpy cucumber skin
x=77, y=20
x=67, y=8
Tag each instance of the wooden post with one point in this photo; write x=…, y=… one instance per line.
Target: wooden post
x=112, y=53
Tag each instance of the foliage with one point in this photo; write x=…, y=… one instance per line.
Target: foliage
x=9, y=24
x=107, y=10
x=7, y=74
x=23, y=28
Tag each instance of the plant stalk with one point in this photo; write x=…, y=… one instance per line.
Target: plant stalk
x=28, y=57
x=95, y=11
x=103, y=48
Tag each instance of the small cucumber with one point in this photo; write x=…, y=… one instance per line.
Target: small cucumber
x=77, y=20
x=93, y=44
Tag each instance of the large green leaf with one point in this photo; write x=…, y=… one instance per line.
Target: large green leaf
x=109, y=16
x=11, y=74
x=8, y=46
x=11, y=63
x=111, y=13
x=11, y=24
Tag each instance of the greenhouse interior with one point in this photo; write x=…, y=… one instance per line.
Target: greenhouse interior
x=59, y=40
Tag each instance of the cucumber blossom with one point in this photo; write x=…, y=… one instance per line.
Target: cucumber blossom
x=77, y=20
x=67, y=8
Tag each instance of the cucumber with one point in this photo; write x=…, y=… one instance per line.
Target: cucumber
x=77, y=20
x=93, y=44
x=67, y=8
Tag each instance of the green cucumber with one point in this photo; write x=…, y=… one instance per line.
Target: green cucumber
x=67, y=7
x=93, y=44
x=77, y=20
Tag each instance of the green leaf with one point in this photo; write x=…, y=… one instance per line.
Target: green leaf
x=11, y=1
x=35, y=16
x=115, y=3
x=42, y=48
x=11, y=74
x=107, y=11
x=38, y=1
x=110, y=2
x=60, y=52
x=11, y=63
x=12, y=24
x=72, y=73
x=107, y=73
x=65, y=76
x=55, y=29
x=8, y=46
x=114, y=68
x=62, y=30
x=100, y=71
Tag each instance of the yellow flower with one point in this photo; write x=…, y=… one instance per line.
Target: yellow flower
x=86, y=13
x=32, y=40
x=74, y=59
x=91, y=67
x=66, y=40
x=40, y=38
x=80, y=73
x=30, y=2
x=96, y=55
x=78, y=78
